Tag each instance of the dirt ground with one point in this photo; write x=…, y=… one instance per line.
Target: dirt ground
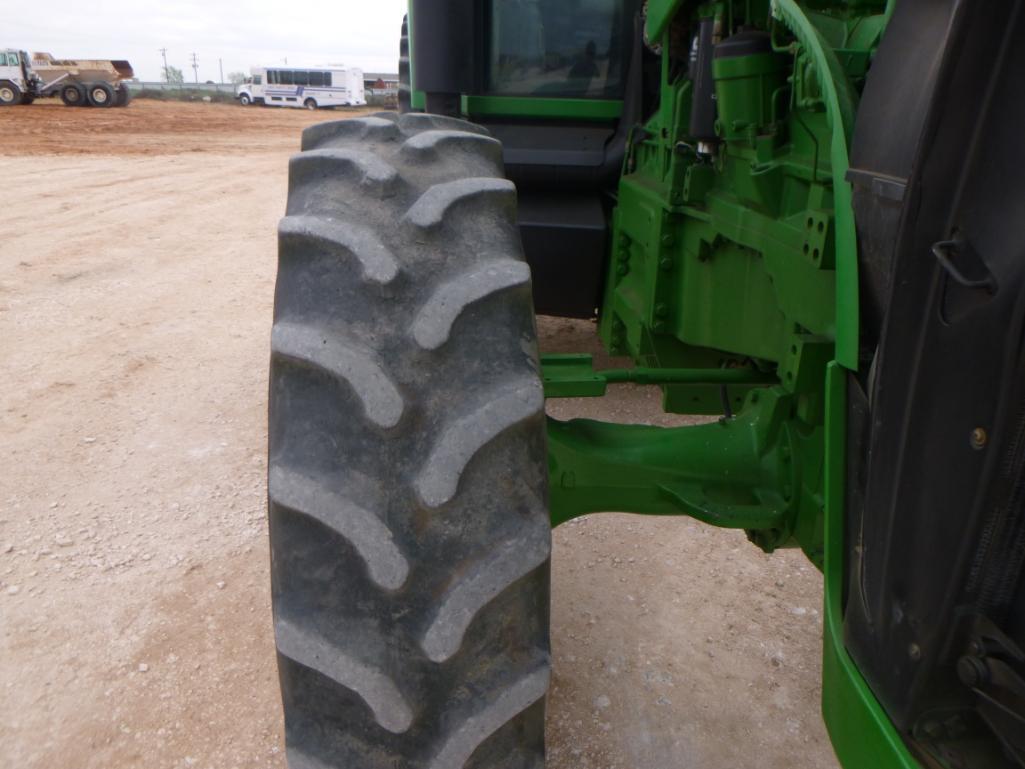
x=137, y=262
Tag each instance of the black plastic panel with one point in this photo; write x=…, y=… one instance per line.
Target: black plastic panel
x=564, y=240
x=936, y=477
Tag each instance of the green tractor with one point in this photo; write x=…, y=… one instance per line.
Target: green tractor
x=804, y=218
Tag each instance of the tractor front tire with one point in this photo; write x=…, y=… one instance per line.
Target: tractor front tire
x=409, y=530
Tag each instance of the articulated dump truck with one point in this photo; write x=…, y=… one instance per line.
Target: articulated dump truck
x=78, y=82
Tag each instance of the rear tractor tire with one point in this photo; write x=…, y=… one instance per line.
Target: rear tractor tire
x=73, y=95
x=409, y=531
x=100, y=95
x=10, y=94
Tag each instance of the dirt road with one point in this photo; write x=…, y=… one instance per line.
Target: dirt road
x=137, y=262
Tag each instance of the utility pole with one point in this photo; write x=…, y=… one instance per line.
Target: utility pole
x=195, y=68
x=220, y=64
x=163, y=52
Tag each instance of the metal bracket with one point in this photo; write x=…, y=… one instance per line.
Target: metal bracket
x=574, y=376
x=955, y=256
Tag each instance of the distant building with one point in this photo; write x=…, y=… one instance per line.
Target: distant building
x=380, y=82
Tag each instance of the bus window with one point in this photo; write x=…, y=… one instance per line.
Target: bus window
x=316, y=78
x=285, y=77
x=301, y=77
x=327, y=79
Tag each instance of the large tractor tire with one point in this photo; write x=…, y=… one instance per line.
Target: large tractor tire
x=405, y=95
x=122, y=96
x=410, y=537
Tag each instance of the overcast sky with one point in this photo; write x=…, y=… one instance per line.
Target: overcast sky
x=243, y=33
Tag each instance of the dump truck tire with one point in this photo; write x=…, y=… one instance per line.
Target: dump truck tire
x=405, y=95
x=73, y=95
x=10, y=94
x=122, y=97
x=409, y=530
x=100, y=95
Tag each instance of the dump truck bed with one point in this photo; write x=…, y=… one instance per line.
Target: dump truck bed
x=84, y=70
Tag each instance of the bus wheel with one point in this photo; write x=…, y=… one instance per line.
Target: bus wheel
x=310, y=103
x=244, y=100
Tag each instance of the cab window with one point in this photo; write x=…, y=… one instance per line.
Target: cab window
x=574, y=48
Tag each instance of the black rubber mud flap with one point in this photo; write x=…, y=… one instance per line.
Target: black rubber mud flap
x=935, y=601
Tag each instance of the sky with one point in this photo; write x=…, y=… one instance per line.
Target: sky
x=241, y=33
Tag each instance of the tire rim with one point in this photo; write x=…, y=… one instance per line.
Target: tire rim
x=311, y=104
x=6, y=94
x=100, y=96
x=72, y=94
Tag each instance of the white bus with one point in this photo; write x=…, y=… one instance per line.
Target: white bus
x=309, y=88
